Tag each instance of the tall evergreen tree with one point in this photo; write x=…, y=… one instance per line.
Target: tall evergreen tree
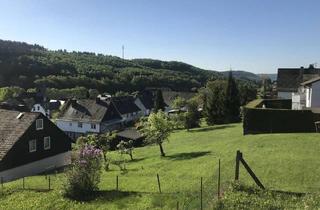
x=159, y=102
x=232, y=102
x=214, y=108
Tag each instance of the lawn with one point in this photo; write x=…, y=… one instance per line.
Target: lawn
x=286, y=162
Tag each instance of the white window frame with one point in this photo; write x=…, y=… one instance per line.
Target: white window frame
x=33, y=145
x=93, y=126
x=38, y=127
x=80, y=125
x=47, y=138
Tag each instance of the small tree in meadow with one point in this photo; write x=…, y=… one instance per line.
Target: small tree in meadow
x=83, y=177
x=157, y=129
x=126, y=148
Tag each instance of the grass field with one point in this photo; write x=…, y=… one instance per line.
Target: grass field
x=286, y=162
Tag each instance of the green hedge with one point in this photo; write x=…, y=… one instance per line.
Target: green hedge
x=257, y=120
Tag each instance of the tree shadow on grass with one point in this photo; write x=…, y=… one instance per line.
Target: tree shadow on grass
x=187, y=155
x=211, y=128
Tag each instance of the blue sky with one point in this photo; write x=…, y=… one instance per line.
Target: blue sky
x=252, y=35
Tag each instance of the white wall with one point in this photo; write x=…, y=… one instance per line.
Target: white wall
x=39, y=108
x=284, y=95
x=315, y=94
x=72, y=126
x=37, y=167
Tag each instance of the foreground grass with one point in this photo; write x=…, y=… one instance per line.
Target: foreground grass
x=286, y=162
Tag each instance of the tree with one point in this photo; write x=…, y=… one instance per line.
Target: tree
x=232, y=103
x=157, y=129
x=192, y=115
x=214, y=107
x=126, y=148
x=179, y=103
x=159, y=102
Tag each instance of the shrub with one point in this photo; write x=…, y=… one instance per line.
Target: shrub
x=84, y=175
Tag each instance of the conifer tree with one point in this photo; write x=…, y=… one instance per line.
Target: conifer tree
x=159, y=102
x=232, y=101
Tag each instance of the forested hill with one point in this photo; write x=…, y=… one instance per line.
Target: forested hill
x=27, y=66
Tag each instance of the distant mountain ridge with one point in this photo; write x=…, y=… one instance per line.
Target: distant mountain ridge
x=28, y=66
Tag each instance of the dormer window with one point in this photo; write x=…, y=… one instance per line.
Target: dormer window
x=39, y=124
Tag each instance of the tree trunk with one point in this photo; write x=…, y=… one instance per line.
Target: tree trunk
x=106, y=163
x=161, y=150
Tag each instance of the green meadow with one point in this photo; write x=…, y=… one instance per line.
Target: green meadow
x=285, y=163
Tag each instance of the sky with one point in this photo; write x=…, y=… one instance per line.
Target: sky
x=252, y=35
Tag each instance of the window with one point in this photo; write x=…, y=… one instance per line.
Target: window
x=38, y=107
x=46, y=143
x=70, y=124
x=32, y=145
x=39, y=124
x=80, y=125
x=93, y=126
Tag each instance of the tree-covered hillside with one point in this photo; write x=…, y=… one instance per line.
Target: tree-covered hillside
x=27, y=66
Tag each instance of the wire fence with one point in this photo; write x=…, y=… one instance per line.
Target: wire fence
x=200, y=193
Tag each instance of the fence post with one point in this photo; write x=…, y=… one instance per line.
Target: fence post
x=117, y=183
x=201, y=193
x=159, y=183
x=238, y=157
x=23, y=183
x=177, y=205
x=2, y=184
x=219, y=180
x=49, y=182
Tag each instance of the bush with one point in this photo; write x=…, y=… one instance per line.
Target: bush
x=83, y=177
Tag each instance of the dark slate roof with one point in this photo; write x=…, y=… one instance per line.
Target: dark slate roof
x=125, y=104
x=11, y=128
x=84, y=110
x=289, y=79
x=147, y=99
x=308, y=82
x=130, y=133
x=14, y=104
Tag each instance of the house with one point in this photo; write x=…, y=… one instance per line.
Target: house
x=80, y=117
x=145, y=102
x=14, y=104
x=289, y=79
x=308, y=95
x=30, y=144
x=41, y=103
x=126, y=107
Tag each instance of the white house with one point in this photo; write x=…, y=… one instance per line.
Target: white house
x=80, y=117
x=308, y=95
x=290, y=79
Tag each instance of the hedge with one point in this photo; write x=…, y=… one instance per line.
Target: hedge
x=266, y=120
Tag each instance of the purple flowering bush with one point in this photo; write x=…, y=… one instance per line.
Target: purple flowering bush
x=83, y=177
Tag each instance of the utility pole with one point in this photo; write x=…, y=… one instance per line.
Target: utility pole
x=122, y=51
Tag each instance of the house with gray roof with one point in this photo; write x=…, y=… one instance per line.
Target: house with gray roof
x=290, y=79
x=30, y=144
x=84, y=116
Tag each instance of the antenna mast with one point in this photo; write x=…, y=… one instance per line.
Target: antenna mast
x=122, y=51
